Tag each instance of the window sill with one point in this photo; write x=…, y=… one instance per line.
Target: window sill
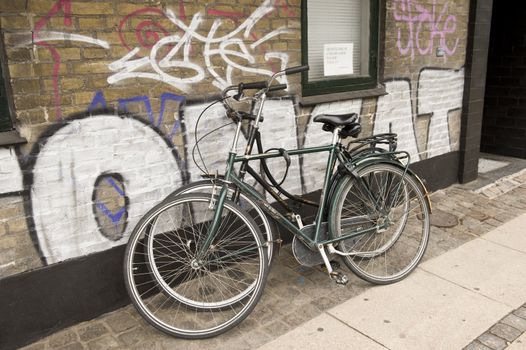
x=10, y=138
x=347, y=95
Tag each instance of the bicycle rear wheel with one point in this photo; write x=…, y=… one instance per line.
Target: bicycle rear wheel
x=191, y=295
x=394, y=219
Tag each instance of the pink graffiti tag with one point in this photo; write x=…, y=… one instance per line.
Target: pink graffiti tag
x=65, y=6
x=147, y=32
x=422, y=26
x=284, y=7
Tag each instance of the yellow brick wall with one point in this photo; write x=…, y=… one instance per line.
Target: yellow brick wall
x=68, y=59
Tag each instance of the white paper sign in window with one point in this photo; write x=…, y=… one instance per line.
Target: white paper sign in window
x=338, y=59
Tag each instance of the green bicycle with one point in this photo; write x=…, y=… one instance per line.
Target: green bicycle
x=196, y=264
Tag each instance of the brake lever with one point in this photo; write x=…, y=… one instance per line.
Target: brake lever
x=239, y=94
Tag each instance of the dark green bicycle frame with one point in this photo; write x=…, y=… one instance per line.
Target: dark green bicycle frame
x=230, y=177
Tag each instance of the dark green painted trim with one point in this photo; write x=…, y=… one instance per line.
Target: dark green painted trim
x=292, y=152
x=339, y=85
x=6, y=106
x=5, y=116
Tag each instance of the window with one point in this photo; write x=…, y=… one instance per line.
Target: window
x=5, y=116
x=8, y=134
x=340, y=44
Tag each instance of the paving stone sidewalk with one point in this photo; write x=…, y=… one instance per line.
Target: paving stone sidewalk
x=295, y=294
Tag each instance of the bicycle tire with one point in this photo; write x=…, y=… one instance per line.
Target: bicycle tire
x=404, y=208
x=207, y=280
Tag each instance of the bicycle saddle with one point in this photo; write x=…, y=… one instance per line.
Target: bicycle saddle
x=337, y=119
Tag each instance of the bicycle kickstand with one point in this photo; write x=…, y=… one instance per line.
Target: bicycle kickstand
x=337, y=276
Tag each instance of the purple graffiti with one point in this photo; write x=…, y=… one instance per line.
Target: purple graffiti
x=114, y=217
x=420, y=26
x=113, y=184
x=121, y=213
x=99, y=101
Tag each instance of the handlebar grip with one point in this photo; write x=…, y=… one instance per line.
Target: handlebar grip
x=255, y=85
x=277, y=87
x=297, y=69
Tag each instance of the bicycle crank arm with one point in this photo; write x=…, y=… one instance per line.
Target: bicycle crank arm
x=332, y=250
x=337, y=276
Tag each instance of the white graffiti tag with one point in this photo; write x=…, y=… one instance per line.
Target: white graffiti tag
x=232, y=48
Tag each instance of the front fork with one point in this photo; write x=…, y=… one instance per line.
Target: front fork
x=217, y=206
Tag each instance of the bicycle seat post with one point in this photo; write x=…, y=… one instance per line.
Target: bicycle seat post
x=336, y=135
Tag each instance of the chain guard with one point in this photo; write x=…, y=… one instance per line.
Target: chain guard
x=303, y=254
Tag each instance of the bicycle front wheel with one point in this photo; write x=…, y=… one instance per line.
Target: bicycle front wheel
x=194, y=293
x=267, y=226
x=386, y=215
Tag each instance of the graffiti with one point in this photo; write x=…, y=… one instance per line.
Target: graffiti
x=214, y=156
x=283, y=6
x=440, y=92
x=164, y=98
x=169, y=55
x=10, y=173
x=116, y=168
x=418, y=27
x=42, y=38
x=110, y=205
x=394, y=113
x=177, y=69
x=64, y=5
x=314, y=164
x=99, y=102
x=148, y=32
x=63, y=182
x=88, y=182
x=59, y=36
x=281, y=120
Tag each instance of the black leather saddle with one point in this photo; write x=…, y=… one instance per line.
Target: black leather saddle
x=350, y=123
x=337, y=119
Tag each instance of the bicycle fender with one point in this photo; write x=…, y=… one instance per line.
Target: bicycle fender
x=206, y=179
x=376, y=160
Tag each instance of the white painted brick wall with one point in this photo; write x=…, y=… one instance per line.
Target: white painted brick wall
x=62, y=192
x=10, y=174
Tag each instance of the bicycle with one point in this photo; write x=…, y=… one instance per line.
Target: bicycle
x=196, y=264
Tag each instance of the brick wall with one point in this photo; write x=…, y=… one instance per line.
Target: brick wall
x=87, y=173
x=504, y=124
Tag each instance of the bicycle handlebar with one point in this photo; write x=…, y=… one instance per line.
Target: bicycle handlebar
x=263, y=86
x=298, y=69
x=254, y=85
x=266, y=84
x=277, y=87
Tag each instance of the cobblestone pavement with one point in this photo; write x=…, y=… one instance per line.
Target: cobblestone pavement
x=503, y=333
x=295, y=294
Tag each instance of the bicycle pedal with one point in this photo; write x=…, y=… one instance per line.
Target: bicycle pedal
x=335, y=265
x=339, y=278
